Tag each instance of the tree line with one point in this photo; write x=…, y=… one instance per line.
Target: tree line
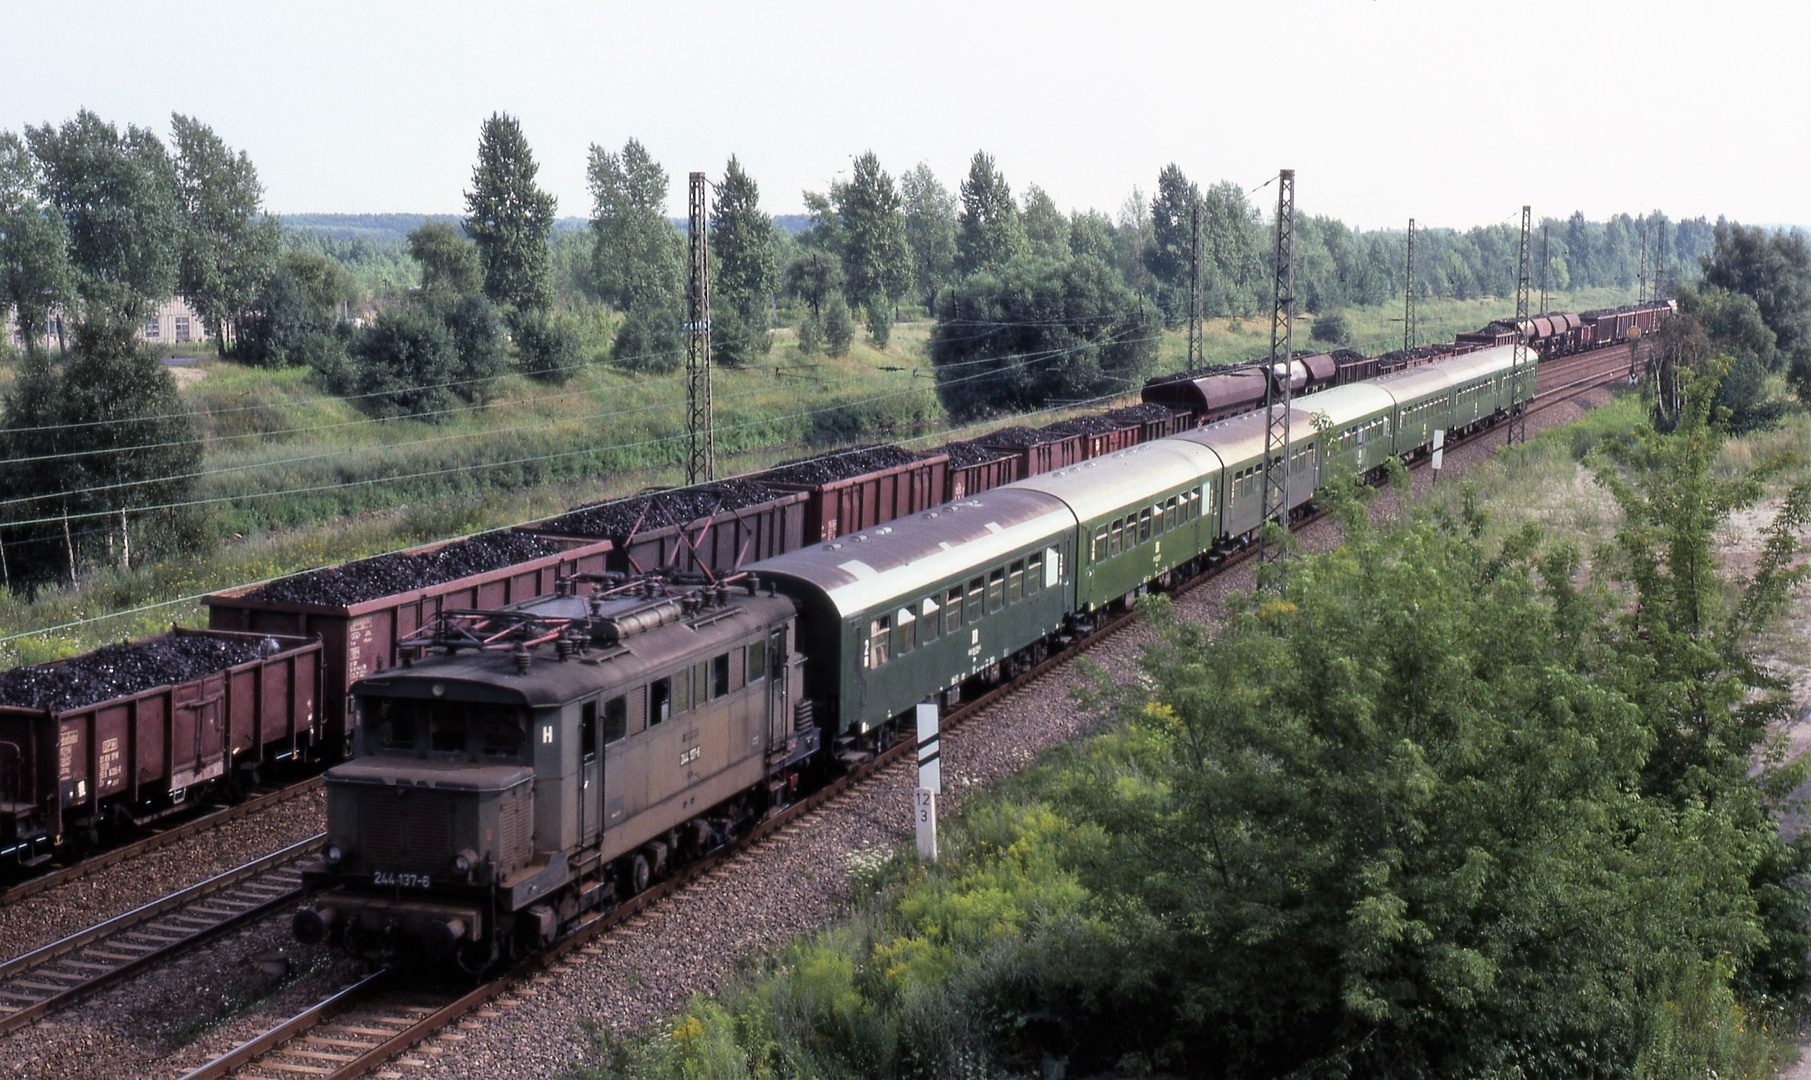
x=1030, y=306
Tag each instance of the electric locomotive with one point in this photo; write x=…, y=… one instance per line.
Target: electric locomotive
x=534, y=763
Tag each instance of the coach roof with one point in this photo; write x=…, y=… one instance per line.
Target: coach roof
x=908, y=555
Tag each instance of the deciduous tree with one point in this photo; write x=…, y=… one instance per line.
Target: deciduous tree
x=34, y=264
x=510, y=218
x=871, y=231
x=930, y=214
x=992, y=233
x=228, y=246
x=743, y=273
x=116, y=194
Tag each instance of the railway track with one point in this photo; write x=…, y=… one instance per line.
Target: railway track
x=371, y=1022
x=53, y=879
x=52, y=977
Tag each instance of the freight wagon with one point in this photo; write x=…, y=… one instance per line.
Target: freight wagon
x=361, y=610
x=134, y=731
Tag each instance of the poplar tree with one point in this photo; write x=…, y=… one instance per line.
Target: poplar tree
x=510, y=218
x=34, y=263
x=743, y=271
x=116, y=194
x=1046, y=229
x=992, y=233
x=638, y=257
x=877, y=261
x=228, y=247
x=930, y=218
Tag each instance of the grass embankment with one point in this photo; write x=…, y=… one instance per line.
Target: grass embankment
x=304, y=479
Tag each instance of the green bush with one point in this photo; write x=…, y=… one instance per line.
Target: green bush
x=547, y=346
x=839, y=327
x=811, y=335
x=880, y=323
x=650, y=339
x=1332, y=328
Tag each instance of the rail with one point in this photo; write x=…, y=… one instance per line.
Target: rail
x=356, y=1050
x=56, y=974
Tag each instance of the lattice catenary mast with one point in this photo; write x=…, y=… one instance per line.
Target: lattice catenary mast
x=1408, y=294
x=1521, y=368
x=1277, y=388
x=700, y=434
x=1194, y=284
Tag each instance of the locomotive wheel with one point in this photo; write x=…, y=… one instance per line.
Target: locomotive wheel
x=639, y=874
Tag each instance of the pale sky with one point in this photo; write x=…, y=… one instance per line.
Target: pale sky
x=1454, y=112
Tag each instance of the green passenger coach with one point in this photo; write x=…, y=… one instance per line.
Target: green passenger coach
x=929, y=600
x=1144, y=512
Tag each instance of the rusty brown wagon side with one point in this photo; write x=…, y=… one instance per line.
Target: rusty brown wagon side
x=719, y=543
x=135, y=757
x=360, y=639
x=849, y=504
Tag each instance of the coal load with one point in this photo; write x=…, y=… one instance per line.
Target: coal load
x=1016, y=438
x=964, y=454
x=402, y=572
x=1139, y=414
x=1085, y=425
x=840, y=465
x=115, y=671
x=659, y=510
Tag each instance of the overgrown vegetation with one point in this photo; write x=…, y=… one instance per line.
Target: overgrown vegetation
x=1457, y=800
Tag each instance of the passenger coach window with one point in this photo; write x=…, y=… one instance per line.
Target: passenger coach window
x=952, y=610
x=973, y=612
x=1119, y=532
x=1100, y=543
x=880, y=633
x=996, y=591
x=905, y=631
x=1034, y=574
x=616, y=719
x=1144, y=526
x=927, y=628
x=1015, y=582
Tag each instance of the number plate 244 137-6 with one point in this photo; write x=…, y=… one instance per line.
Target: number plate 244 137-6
x=401, y=879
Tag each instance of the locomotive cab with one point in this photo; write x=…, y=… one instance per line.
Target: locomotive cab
x=549, y=760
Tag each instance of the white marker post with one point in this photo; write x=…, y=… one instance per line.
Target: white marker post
x=930, y=782
x=1439, y=452
x=924, y=814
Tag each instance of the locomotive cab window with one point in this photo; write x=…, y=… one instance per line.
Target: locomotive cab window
x=757, y=661
x=660, y=701
x=719, y=676
x=588, y=730
x=616, y=719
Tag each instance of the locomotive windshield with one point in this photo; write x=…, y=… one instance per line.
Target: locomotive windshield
x=468, y=730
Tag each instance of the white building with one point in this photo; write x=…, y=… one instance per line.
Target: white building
x=175, y=323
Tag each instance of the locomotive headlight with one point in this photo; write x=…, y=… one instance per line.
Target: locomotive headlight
x=335, y=854
x=464, y=861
